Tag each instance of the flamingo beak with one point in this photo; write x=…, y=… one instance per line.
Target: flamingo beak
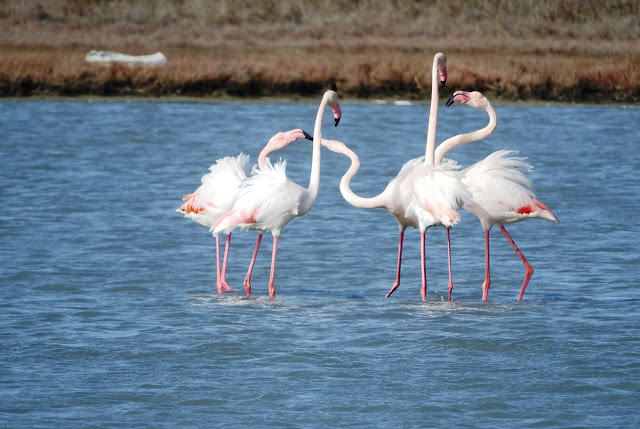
x=307, y=135
x=337, y=121
x=450, y=100
x=442, y=82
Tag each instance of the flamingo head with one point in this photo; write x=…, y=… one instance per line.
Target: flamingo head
x=473, y=99
x=282, y=140
x=285, y=138
x=332, y=102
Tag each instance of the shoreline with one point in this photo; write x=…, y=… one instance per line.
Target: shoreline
x=302, y=100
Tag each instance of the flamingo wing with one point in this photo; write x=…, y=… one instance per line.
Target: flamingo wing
x=500, y=185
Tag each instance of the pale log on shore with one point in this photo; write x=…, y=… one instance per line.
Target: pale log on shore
x=116, y=57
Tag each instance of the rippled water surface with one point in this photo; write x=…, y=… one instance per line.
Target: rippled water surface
x=108, y=310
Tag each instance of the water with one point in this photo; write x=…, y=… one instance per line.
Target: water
x=108, y=310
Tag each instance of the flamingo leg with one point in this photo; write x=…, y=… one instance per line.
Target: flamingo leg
x=223, y=275
x=247, y=279
x=397, y=282
x=423, y=266
x=218, y=282
x=272, y=287
x=527, y=267
x=449, y=255
x=487, y=269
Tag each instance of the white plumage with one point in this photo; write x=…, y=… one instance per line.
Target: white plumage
x=216, y=194
x=501, y=191
x=266, y=201
x=213, y=198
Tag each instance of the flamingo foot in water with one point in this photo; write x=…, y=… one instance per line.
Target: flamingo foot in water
x=225, y=287
x=393, y=288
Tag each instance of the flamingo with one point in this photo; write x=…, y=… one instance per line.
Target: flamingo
x=268, y=200
x=501, y=191
x=218, y=190
x=437, y=193
x=398, y=194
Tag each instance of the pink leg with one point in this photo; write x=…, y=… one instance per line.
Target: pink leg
x=272, y=286
x=449, y=255
x=247, y=279
x=218, y=282
x=528, y=268
x=223, y=276
x=487, y=269
x=423, y=266
x=397, y=282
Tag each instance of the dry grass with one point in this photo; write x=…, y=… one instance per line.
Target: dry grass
x=547, y=50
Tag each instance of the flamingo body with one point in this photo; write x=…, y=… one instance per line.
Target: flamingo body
x=501, y=191
x=266, y=201
x=438, y=194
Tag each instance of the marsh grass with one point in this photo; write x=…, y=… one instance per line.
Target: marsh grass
x=546, y=50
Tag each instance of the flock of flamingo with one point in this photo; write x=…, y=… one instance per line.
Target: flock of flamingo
x=428, y=191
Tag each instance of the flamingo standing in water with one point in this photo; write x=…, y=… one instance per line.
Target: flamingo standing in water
x=218, y=190
x=398, y=195
x=501, y=191
x=268, y=200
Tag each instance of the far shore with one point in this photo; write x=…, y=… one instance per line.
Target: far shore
x=292, y=50
x=224, y=99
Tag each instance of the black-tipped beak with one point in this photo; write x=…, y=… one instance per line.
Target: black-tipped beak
x=337, y=121
x=442, y=82
x=450, y=100
x=307, y=135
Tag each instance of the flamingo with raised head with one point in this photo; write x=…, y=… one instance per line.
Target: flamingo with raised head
x=269, y=200
x=398, y=197
x=215, y=196
x=501, y=191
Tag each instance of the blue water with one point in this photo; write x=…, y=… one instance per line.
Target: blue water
x=108, y=310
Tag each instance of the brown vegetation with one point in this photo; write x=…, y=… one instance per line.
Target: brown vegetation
x=566, y=50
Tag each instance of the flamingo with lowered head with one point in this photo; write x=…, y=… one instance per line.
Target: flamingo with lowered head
x=269, y=200
x=215, y=196
x=501, y=191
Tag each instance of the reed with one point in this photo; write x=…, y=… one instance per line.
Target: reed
x=528, y=50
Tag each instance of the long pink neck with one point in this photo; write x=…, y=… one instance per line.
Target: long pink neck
x=345, y=185
x=460, y=139
x=433, y=115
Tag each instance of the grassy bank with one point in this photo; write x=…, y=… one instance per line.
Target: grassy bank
x=527, y=50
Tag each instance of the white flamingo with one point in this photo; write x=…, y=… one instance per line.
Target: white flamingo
x=268, y=200
x=398, y=197
x=215, y=196
x=501, y=191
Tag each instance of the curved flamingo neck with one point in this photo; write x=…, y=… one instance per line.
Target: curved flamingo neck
x=433, y=114
x=345, y=184
x=460, y=139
